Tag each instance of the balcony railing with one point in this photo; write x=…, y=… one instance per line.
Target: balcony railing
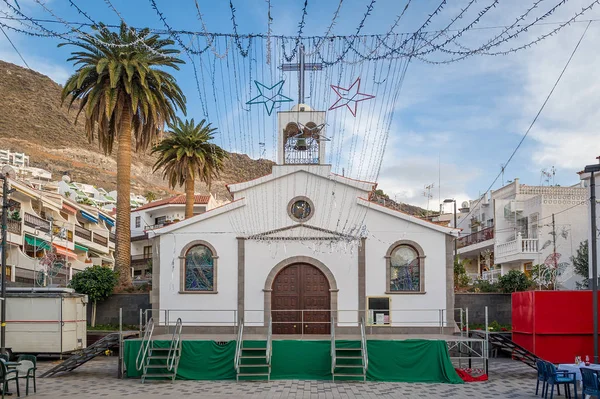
x=480, y=236
x=518, y=246
x=100, y=240
x=14, y=227
x=139, y=238
x=82, y=232
x=37, y=223
x=492, y=276
x=141, y=259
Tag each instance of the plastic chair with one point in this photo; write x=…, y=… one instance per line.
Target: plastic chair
x=27, y=370
x=560, y=377
x=6, y=376
x=589, y=379
x=541, y=376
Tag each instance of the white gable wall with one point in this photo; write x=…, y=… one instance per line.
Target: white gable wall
x=333, y=202
x=218, y=232
x=384, y=230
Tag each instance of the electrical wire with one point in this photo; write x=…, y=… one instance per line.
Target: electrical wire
x=534, y=119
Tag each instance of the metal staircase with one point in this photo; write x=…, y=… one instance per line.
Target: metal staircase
x=155, y=362
x=352, y=361
x=98, y=348
x=506, y=344
x=253, y=361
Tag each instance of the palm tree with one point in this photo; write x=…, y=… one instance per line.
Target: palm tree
x=186, y=154
x=150, y=196
x=123, y=91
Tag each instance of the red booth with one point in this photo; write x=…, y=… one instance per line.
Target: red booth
x=555, y=325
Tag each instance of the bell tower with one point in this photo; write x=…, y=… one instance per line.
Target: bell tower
x=301, y=136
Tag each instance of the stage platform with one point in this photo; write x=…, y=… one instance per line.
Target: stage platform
x=392, y=357
x=313, y=337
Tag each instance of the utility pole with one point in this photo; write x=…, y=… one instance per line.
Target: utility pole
x=591, y=169
x=554, y=252
x=5, y=193
x=594, y=263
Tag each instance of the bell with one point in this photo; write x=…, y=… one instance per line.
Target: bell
x=301, y=144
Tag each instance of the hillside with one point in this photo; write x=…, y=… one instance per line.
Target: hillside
x=33, y=121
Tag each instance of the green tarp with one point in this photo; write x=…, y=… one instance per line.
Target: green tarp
x=412, y=360
x=36, y=242
x=81, y=247
x=406, y=360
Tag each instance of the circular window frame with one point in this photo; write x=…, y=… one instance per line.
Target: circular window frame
x=296, y=199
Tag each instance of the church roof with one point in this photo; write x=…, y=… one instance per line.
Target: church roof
x=360, y=184
x=408, y=217
x=176, y=200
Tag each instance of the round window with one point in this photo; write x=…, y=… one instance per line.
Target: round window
x=300, y=209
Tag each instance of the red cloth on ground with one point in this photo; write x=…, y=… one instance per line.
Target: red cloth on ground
x=466, y=377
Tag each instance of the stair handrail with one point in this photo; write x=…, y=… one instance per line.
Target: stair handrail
x=238, y=345
x=363, y=342
x=146, y=340
x=333, y=360
x=175, y=347
x=269, y=340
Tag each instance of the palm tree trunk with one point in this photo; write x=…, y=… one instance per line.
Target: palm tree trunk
x=189, y=197
x=123, y=233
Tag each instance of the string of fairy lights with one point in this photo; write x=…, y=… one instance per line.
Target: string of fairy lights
x=240, y=86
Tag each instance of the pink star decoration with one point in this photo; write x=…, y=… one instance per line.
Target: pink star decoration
x=350, y=97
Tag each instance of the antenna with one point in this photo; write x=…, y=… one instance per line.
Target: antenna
x=427, y=194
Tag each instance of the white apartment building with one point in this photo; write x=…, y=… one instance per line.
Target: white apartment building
x=51, y=237
x=585, y=179
x=158, y=214
x=519, y=226
x=20, y=164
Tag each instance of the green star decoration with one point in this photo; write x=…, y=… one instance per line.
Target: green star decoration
x=269, y=96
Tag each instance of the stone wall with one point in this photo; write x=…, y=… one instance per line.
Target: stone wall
x=108, y=310
x=499, y=307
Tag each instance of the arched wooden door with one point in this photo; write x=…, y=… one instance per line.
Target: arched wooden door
x=300, y=301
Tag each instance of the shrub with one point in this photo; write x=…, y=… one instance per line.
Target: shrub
x=484, y=286
x=513, y=281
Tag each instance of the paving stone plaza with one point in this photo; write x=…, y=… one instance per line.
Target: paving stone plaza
x=97, y=379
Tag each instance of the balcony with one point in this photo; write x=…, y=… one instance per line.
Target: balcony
x=475, y=238
x=141, y=261
x=112, y=237
x=517, y=250
x=100, y=240
x=82, y=232
x=36, y=222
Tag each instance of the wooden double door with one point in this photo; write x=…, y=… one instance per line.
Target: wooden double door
x=301, y=301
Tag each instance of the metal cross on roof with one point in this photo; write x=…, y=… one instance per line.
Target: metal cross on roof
x=301, y=67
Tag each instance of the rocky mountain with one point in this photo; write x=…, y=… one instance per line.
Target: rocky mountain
x=33, y=121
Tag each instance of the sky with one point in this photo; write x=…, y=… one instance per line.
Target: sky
x=454, y=125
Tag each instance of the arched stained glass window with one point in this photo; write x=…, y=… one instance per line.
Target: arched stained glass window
x=405, y=271
x=199, y=269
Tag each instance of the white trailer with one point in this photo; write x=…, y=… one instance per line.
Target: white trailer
x=45, y=320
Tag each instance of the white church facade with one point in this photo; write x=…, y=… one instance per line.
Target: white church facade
x=300, y=246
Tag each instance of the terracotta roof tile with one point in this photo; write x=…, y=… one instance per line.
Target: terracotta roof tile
x=176, y=200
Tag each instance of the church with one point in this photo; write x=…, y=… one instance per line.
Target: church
x=302, y=248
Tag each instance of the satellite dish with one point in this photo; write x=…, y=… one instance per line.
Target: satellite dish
x=465, y=204
x=66, y=179
x=9, y=172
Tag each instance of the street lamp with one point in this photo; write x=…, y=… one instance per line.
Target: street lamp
x=591, y=169
x=447, y=201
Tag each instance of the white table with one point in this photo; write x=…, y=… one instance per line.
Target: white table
x=573, y=368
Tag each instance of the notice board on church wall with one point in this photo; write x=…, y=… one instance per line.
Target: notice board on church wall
x=378, y=311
